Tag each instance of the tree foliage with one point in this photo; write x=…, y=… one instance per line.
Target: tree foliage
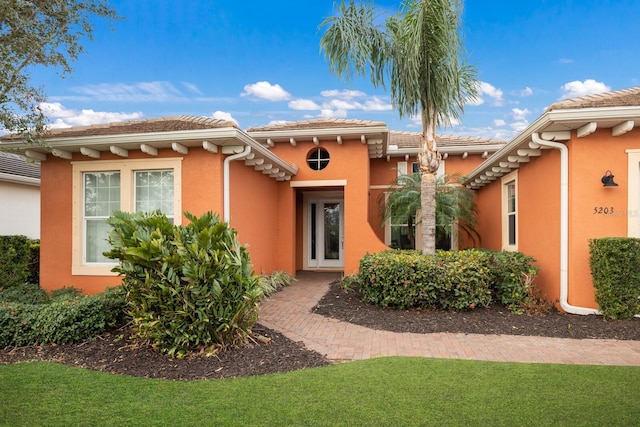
x=418, y=53
x=455, y=204
x=34, y=33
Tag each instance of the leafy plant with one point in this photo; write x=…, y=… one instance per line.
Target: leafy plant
x=188, y=287
x=60, y=321
x=275, y=281
x=513, y=275
x=449, y=280
x=14, y=260
x=614, y=265
x=455, y=205
x=26, y=293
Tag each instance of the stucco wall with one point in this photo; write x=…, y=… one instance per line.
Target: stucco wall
x=19, y=209
x=202, y=191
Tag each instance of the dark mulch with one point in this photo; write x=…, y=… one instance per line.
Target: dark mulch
x=117, y=352
x=495, y=319
x=270, y=352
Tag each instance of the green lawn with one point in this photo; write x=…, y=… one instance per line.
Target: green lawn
x=398, y=391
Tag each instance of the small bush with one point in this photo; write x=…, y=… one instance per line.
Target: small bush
x=275, y=281
x=513, y=274
x=403, y=279
x=14, y=260
x=615, y=268
x=26, y=293
x=188, y=287
x=62, y=321
x=34, y=262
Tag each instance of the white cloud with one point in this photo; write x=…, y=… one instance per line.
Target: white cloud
x=303, y=104
x=137, y=92
x=577, y=88
x=266, y=90
x=527, y=91
x=64, y=117
x=377, y=104
x=519, y=126
x=499, y=122
x=278, y=122
x=223, y=115
x=192, y=88
x=565, y=61
x=347, y=94
x=519, y=114
x=487, y=89
x=328, y=113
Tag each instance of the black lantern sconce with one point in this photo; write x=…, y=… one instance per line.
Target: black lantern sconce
x=607, y=179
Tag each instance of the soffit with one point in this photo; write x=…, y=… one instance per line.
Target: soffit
x=373, y=134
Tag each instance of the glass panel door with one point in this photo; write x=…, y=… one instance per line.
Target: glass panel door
x=326, y=235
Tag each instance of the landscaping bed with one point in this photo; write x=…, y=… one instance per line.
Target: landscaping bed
x=271, y=352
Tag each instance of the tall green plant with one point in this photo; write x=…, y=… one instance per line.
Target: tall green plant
x=189, y=286
x=419, y=53
x=455, y=205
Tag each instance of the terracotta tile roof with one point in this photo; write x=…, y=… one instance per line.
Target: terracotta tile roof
x=13, y=164
x=620, y=98
x=412, y=140
x=316, y=124
x=162, y=124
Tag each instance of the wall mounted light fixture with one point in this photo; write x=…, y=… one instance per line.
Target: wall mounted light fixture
x=607, y=179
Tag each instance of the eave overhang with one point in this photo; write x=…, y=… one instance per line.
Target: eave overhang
x=227, y=140
x=554, y=125
x=375, y=137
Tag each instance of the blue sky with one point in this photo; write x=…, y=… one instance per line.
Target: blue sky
x=259, y=62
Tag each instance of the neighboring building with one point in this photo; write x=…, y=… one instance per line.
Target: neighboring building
x=549, y=190
x=19, y=196
x=303, y=195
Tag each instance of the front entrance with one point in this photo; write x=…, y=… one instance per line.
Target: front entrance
x=324, y=230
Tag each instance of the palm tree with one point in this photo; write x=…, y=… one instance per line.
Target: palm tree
x=455, y=206
x=419, y=53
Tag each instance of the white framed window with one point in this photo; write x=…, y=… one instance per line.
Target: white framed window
x=510, y=211
x=101, y=187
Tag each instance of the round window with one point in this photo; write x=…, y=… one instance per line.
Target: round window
x=318, y=159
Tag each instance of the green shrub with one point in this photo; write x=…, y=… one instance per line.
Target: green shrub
x=466, y=279
x=271, y=283
x=34, y=262
x=513, y=273
x=68, y=293
x=14, y=260
x=62, y=321
x=188, y=287
x=615, y=268
x=26, y=293
x=403, y=279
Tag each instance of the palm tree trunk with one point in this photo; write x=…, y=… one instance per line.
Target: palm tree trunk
x=429, y=159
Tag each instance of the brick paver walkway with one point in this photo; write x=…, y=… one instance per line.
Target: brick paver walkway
x=288, y=312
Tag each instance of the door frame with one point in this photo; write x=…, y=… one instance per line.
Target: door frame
x=310, y=197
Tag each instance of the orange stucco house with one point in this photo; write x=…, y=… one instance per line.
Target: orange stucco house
x=304, y=195
x=551, y=189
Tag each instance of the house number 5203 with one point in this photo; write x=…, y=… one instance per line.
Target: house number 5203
x=600, y=210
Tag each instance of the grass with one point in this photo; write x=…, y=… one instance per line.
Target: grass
x=386, y=391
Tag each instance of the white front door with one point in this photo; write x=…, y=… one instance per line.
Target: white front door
x=325, y=233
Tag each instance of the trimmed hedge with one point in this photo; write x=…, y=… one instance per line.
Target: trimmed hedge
x=450, y=280
x=458, y=280
x=615, y=268
x=14, y=260
x=61, y=320
x=189, y=287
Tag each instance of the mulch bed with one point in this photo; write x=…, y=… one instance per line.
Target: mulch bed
x=495, y=319
x=271, y=352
